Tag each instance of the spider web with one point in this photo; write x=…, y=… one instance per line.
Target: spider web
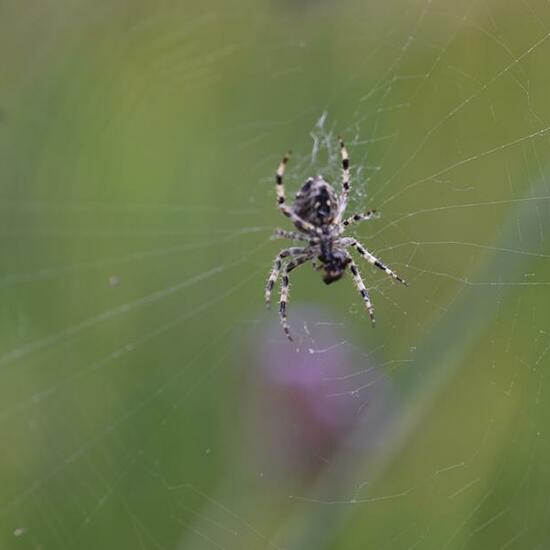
x=148, y=400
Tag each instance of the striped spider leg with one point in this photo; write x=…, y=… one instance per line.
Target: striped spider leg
x=301, y=224
x=356, y=218
x=359, y=283
x=285, y=286
x=294, y=251
x=343, y=199
x=373, y=260
x=291, y=235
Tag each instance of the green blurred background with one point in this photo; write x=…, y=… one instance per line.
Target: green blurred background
x=138, y=142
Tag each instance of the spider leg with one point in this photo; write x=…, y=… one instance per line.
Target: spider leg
x=285, y=286
x=372, y=259
x=358, y=218
x=358, y=280
x=279, y=175
x=302, y=225
x=292, y=235
x=343, y=200
x=277, y=264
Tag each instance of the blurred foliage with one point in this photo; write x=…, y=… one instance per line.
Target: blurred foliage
x=138, y=142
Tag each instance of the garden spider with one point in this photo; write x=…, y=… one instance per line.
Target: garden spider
x=317, y=215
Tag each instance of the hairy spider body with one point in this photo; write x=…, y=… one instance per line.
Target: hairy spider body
x=317, y=203
x=317, y=214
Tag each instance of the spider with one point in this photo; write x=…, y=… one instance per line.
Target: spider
x=317, y=214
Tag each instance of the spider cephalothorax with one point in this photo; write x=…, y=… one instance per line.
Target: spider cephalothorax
x=317, y=214
x=335, y=263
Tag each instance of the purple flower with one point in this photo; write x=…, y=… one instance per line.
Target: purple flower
x=308, y=397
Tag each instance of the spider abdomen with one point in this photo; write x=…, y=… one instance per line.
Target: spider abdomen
x=316, y=202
